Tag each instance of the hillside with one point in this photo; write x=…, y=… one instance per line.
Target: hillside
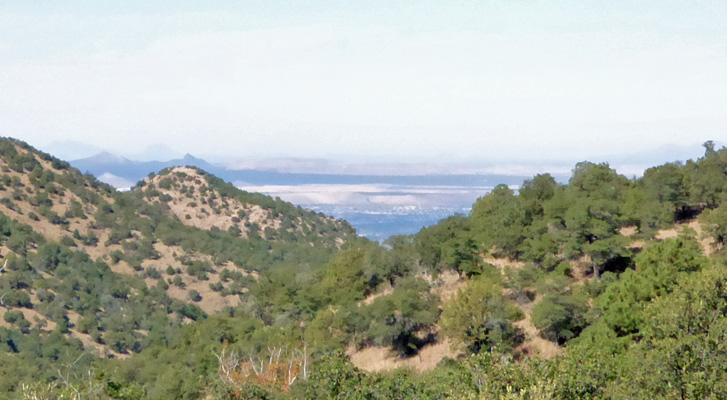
x=206, y=202
x=110, y=273
x=185, y=287
x=569, y=281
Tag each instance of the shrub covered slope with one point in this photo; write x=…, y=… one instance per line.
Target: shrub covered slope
x=187, y=288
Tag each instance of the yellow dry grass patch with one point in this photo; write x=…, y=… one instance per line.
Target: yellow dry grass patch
x=667, y=234
x=33, y=316
x=628, y=231
x=707, y=243
x=501, y=263
x=43, y=226
x=447, y=284
x=377, y=358
x=580, y=268
x=101, y=250
x=386, y=291
x=211, y=302
x=534, y=345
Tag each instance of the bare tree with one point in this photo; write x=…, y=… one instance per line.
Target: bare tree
x=280, y=367
x=228, y=363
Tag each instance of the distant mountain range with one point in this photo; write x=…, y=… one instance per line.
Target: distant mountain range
x=122, y=172
x=125, y=171
x=72, y=150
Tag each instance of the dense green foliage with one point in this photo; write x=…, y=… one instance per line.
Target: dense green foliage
x=481, y=318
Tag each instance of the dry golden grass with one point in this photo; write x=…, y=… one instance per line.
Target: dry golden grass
x=193, y=208
x=212, y=301
x=377, y=358
x=61, y=204
x=447, y=284
x=667, y=234
x=501, y=263
x=534, y=345
x=707, y=243
x=628, y=231
x=581, y=269
x=385, y=291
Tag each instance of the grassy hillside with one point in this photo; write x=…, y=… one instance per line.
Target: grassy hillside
x=87, y=270
x=186, y=287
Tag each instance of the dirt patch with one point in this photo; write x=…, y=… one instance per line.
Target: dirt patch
x=447, y=284
x=379, y=358
x=581, y=269
x=386, y=291
x=101, y=250
x=501, y=263
x=42, y=226
x=628, y=231
x=534, y=345
x=211, y=302
x=706, y=242
x=667, y=234
x=123, y=268
x=33, y=316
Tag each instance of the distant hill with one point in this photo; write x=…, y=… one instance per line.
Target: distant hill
x=204, y=201
x=71, y=150
x=108, y=164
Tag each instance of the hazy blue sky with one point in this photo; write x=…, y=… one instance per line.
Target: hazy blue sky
x=487, y=79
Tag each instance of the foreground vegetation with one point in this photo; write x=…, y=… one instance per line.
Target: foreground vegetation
x=96, y=307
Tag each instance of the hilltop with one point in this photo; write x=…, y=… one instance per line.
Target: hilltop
x=204, y=201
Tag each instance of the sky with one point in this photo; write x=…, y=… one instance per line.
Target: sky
x=449, y=80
